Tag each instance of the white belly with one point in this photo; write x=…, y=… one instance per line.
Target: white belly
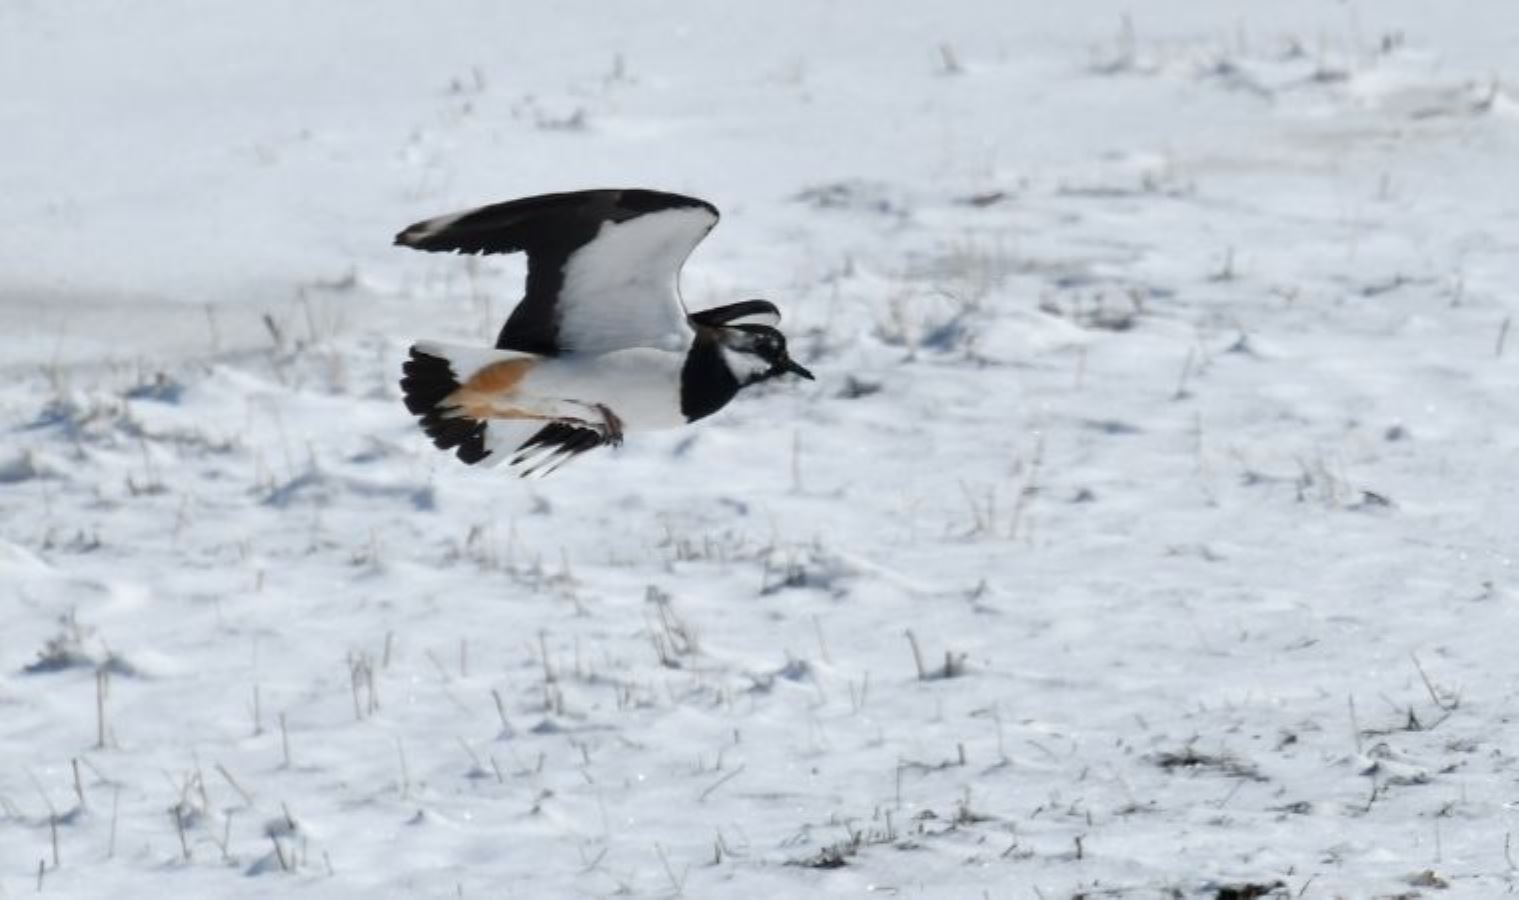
x=641, y=385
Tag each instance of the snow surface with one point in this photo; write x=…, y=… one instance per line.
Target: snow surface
x=1167, y=399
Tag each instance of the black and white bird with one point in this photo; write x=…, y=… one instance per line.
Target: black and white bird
x=600, y=344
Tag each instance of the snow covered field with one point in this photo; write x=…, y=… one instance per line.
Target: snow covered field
x=1149, y=530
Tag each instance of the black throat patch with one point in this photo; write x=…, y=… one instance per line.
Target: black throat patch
x=706, y=382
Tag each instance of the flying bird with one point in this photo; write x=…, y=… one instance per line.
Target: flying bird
x=600, y=344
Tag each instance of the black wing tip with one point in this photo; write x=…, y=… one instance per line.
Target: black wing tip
x=414, y=235
x=429, y=238
x=552, y=446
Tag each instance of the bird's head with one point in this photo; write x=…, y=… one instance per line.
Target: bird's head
x=752, y=346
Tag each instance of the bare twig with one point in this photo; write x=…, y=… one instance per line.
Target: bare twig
x=102, y=686
x=405, y=775
x=179, y=826
x=720, y=782
x=917, y=655
x=678, y=884
x=474, y=757
x=78, y=783
x=543, y=653
x=817, y=625
x=1181, y=392
x=506, y=725
x=226, y=838
x=227, y=776
x=949, y=61
x=110, y=851
x=1434, y=695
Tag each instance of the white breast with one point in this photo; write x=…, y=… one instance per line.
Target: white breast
x=641, y=385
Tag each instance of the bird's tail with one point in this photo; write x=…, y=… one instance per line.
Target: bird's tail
x=431, y=384
x=427, y=382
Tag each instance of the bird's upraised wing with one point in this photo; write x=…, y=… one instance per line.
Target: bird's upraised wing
x=603, y=266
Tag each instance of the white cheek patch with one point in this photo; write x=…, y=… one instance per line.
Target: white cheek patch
x=744, y=366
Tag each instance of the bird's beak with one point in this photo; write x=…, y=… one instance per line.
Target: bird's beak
x=795, y=368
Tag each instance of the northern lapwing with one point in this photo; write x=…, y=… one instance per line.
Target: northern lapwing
x=600, y=344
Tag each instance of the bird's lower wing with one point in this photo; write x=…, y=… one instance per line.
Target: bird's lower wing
x=455, y=392
x=555, y=444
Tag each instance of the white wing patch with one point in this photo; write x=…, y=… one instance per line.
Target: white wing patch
x=622, y=289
